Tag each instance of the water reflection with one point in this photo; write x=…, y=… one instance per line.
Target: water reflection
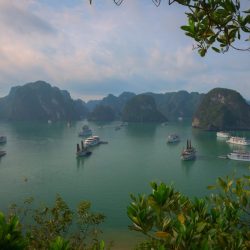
x=37, y=129
x=137, y=130
x=80, y=162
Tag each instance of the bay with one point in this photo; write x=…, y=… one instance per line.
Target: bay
x=41, y=162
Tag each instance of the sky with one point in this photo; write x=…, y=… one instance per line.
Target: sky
x=94, y=50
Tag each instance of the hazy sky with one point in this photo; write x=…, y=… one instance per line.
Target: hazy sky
x=92, y=51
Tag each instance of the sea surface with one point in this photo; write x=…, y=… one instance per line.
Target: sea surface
x=41, y=162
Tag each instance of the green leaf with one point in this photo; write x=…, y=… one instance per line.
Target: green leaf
x=247, y=11
x=102, y=245
x=202, y=52
x=201, y=226
x=186, y=28
x=218, y=51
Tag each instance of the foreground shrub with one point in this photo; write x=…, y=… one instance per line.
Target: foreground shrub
x=171, y=220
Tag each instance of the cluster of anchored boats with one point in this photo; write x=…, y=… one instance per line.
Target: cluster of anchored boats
x=189, y=153
x=238, y=155
x=91, y=141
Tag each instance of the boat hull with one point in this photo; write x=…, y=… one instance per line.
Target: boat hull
x=83, y=153
x=239, y=157
x=2, y=153
x=222, y=135
x=239, y=141
x=188, y=157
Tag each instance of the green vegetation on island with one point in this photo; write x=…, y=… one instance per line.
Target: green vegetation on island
x=177, y=104
x=170, y=104
x=222, y=109
x=142, y=108
x=40, y=101
x=102, y=113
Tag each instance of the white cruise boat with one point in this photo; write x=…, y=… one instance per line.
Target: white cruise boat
x=239, y=140
x=173, y=138
x=92, y=141
x=86, y=131
x=222, y=134
x=239, y=155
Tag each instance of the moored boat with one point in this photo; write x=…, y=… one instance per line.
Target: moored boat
x=118, y=127
x=189, y=153
x=86, y=131
x=239, y=155
x=223, y=134
x=239, y=140
x=83, y=151
x=3, y=139
x=173, y=138
x=92, y=141
x=2, y=153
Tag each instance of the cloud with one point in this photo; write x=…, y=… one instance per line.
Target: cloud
x=101, y=49
x=17, y=18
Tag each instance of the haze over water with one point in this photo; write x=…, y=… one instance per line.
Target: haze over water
x=44, y=155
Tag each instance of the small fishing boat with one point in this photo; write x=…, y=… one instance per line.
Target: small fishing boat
x=2, y=153
x=173, y=138
x=189, y=153
x=118, y=127
x=3, y=139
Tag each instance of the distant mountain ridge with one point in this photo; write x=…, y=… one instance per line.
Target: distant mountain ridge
x=40, y=101
x=142, y=108
x=222, y=109
x=216, y=110
x=177, y=104
x=172, y=104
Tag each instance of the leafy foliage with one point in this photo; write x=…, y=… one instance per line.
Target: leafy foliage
x=172, y=221
x=10, y=234
x=215, y=24
x=51, y=226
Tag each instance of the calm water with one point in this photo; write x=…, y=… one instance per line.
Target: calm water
x=135, y=155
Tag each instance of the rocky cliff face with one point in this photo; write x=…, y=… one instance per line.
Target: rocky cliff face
x=176, y=104
x=222, y=109
x=40, y=101
x=171, y=105
x=142, y=108
x=117, y=103
x=102, y=113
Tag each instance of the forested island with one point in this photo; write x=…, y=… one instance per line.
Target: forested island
x=222, y=109
x=219, y=109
